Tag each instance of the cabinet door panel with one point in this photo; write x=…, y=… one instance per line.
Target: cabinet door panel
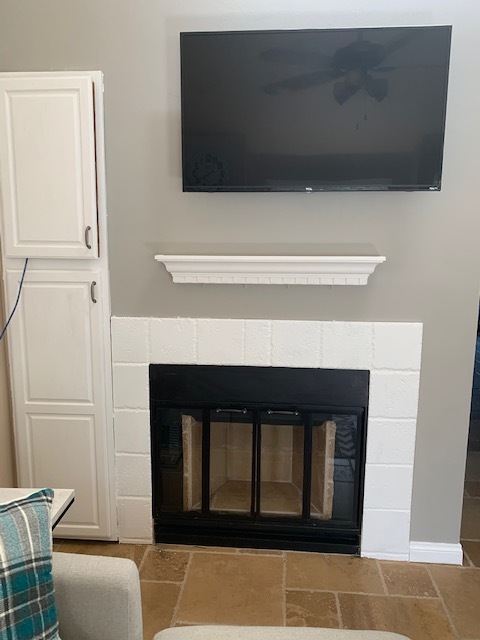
x=55, y=322
x=56, y=345
x=47, y=167
x=62, y=452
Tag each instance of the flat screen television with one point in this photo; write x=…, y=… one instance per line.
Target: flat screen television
x=314, y=110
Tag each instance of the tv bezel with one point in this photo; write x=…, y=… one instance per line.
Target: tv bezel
x=316, y=188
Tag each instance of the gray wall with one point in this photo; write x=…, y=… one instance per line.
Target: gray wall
x=431, y=240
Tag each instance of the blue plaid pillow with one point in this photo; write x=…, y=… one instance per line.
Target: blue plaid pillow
x=27, y=598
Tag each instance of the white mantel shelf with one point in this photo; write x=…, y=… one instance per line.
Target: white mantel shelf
x=291, y=270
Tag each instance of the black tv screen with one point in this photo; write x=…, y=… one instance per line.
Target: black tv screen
x=314, y=110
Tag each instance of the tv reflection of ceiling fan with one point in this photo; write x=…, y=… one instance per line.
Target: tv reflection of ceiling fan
x=351, y=66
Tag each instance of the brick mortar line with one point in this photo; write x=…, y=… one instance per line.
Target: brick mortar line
x=447, y=612
x=386, y=369
x=129, y=363
x=388, y=420
x=244, y=342
x=173, y=621
x=149, y=339
x=132, y=453
x=270, y=341
x=195, y=340
x=396, y=465
x=394, y=370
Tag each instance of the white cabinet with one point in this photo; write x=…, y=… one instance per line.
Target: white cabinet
x=53, y=204
x=59, y=390
x=47, y=166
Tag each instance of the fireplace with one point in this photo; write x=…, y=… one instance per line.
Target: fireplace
x=390, y=351
x=258, y=456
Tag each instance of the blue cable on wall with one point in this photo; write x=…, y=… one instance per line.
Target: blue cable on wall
x=17, y=300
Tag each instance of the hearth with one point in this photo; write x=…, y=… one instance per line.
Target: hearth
x=258, y=456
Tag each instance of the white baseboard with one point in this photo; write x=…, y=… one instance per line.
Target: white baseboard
x=436, y=552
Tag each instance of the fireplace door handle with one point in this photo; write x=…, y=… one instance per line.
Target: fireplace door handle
x=231, y=411
x=270, y=412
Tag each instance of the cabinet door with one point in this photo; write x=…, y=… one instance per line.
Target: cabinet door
x=47, y=167
x=58, y=368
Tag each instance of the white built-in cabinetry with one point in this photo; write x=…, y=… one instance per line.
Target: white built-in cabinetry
x=47, y=167
x=52, y=182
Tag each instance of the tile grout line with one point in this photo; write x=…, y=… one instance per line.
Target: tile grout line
x=284, y=588
x=382, y=577
x=470, y=540
x=200, y=623
x=238, y=552
x=173, y=621
x=447, y=612
x=161, y=581
x=465, y=554
x=241, y=552
x=339, y=611
x=363, y=593
x=143, y=559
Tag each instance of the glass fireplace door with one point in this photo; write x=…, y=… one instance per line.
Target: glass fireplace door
x=178, y=445
x=255, y=464
x=231, y=487
x=280, y=463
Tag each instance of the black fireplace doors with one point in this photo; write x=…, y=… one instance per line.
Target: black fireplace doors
x=281, y=472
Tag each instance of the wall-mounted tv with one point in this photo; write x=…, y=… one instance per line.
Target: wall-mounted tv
x=314, y=110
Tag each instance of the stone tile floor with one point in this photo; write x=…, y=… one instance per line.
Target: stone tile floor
x=184, y=585
x=198, y=585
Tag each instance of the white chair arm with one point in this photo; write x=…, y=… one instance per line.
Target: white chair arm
x=98, y=598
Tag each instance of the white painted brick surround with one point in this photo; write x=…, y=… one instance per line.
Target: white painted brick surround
x=391, y=351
